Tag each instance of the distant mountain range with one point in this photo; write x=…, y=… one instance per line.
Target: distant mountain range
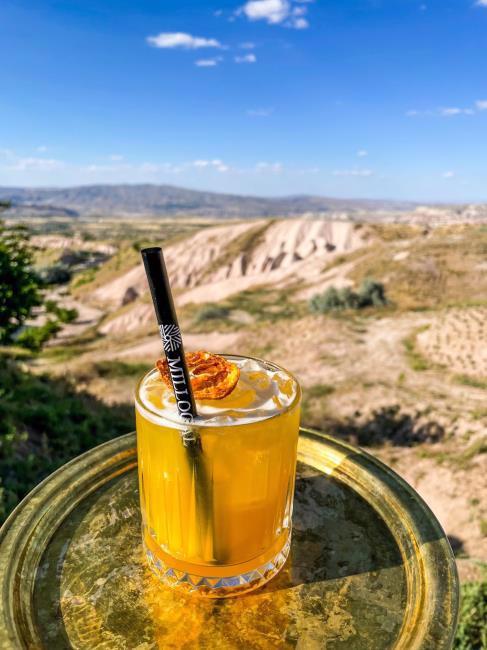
x=168, y=200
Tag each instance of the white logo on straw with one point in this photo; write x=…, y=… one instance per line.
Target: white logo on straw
x=171, y=337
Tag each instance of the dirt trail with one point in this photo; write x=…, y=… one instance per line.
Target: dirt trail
x=88, y=317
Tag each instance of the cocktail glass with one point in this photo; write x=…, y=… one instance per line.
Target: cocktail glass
x=217, y=496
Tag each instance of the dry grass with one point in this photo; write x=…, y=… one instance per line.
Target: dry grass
x=457, y=339
x=241, y=245
x=440, y=269
x=128, y=255
x=415, y=359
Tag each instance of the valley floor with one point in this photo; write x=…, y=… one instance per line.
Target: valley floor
x=407, y=382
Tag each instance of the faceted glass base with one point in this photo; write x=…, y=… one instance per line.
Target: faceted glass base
x=215, y=587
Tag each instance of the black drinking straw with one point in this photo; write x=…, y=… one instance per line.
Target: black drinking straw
x=167, y=320
x=160, y=289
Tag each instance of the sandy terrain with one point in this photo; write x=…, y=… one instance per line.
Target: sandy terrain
x=457, y=339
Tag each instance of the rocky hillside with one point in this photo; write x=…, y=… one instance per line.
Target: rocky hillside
x=220, y=261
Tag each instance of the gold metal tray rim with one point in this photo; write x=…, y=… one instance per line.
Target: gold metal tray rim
x=430, y=617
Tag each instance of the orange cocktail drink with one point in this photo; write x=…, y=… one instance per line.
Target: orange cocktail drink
x=217, y=510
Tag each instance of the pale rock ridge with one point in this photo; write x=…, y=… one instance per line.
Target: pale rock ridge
x=282, y=253
x=186, y=261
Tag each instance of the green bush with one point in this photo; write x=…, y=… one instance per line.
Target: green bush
x=472, y=628
x=62, y=314
x=113, y=369
x=33, y=338
x=212, y=312
x=327, y=301
x=45, y=422
x=19, y=284
x=370, y=294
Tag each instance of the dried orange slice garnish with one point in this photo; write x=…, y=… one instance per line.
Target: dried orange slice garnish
x=211, y=375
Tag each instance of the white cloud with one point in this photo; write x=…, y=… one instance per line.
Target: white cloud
x=448, y=174
x=445, y=111
x=116, y=157
x=481, y=104
x=41, y=149
x=362, y=153
x=181, y=40
x=248, y=45
x=36, y=164
x=94, y=168
x=260, y=112
x=216, y=164
x=481, y=3
x=353, y=172
x=454, y=110
x=128, y=170
x=218, y=12
x=276, y=12
x=274, y=168
x=208, y=63
x=273, y=11
x=246, y=58
x=299, y=23
x=297, y=19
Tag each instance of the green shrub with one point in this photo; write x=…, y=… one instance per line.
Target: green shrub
x=45, y=422
x=466, y=380
x=114, y=369
x=33, y=338
x=327, y=301
x=19, y=284
x=370, y=294
x=472, y=628
x=63, y=314
x=318, y=390
x=212, y=312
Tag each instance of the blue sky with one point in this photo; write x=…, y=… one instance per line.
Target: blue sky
x=352, y=98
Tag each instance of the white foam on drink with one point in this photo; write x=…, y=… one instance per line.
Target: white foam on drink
x=260, y=393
